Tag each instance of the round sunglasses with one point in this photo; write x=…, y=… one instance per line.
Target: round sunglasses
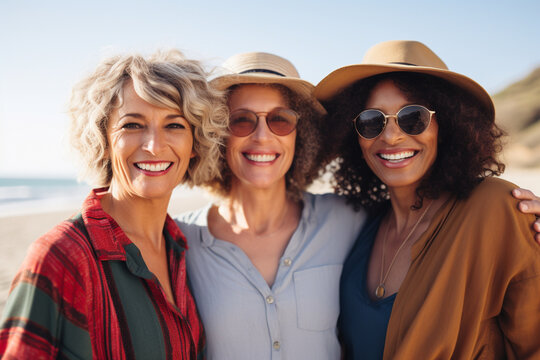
x=411, y=119
x=280, y=121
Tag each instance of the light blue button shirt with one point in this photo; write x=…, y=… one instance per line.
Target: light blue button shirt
x=296, y=318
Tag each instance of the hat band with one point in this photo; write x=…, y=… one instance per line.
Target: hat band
x=403, y=63
x=262, y=71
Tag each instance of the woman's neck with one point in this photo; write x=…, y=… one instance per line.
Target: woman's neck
x=403, y=215
x=142, y=220
x=257, y=211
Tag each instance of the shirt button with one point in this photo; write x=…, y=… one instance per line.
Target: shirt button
x=276, y=345
x=270, y=299
x=287, y=261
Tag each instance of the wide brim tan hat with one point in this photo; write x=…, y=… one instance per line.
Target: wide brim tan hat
x=264, y=68
x=398, y=56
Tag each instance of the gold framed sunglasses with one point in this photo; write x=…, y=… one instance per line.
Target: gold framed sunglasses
x=411, y=119
x=280, y=121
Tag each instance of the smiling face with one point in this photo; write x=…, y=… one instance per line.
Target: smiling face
x=398, y=159
x=149, y=146
x=262, y=158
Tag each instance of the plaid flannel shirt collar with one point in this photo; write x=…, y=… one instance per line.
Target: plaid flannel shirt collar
x=106, y=236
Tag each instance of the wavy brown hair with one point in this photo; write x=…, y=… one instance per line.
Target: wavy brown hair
x=309, y=158
x=468, y=141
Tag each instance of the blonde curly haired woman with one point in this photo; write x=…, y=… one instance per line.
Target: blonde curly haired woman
x=110, y=283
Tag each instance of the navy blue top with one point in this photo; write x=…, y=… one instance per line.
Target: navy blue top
x=362, y=322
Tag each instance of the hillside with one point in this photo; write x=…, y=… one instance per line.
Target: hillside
x=518, y=112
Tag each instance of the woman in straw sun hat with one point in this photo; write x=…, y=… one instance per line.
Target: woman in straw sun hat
x=445, y=267
x=263, y=263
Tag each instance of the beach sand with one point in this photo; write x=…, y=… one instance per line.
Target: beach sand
x=18, y=232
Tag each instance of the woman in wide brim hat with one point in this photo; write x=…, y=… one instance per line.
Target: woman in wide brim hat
x=263, y=265
x=445, y=267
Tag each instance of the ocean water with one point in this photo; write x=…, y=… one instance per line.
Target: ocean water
x=23, y=196
x=20, y=196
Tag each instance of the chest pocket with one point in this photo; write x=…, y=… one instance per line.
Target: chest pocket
x=317, y=297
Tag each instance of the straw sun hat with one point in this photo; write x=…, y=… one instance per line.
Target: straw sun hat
x=264, y=68
x=401, y=56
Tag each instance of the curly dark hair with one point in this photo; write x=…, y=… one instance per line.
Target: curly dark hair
x=309, y=158
x=468, y=141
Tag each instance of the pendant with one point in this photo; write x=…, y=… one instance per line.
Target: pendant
x=379, y=291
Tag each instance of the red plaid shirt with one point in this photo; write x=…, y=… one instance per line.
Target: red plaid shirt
x=85, y=292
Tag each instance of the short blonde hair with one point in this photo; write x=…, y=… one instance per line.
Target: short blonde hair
x=164, y=79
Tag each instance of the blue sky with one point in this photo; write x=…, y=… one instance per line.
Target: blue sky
x=46, y=46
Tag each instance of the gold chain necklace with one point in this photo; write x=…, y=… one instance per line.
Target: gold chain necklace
x=381, y=290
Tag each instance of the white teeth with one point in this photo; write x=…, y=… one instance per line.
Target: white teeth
x=261, y=157
x=397, y=156
x=154, y=167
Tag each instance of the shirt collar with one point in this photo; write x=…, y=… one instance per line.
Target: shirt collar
x=208, y=239
x=106, y=236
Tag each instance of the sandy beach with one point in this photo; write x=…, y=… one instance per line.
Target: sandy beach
x=18, y=232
